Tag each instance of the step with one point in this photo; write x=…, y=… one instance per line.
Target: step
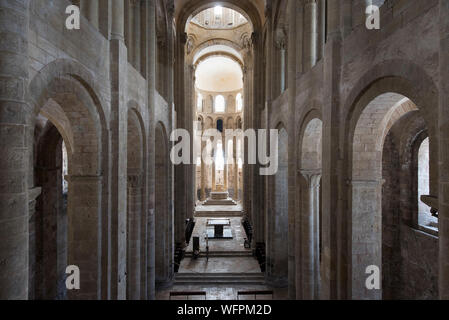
x=230, y=254
x=224, y=202
x=218, y=214
x=220, y=278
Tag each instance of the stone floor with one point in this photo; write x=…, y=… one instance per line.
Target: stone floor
x=228, y=245
x=220, y=265
x=239, y=264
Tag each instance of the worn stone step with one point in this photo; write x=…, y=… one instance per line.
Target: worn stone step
x=219, y=278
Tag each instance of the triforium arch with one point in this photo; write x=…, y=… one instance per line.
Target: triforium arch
x=372, y=114
x=61, y=91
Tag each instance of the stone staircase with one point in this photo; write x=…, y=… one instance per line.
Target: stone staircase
x=256, y=278
x=219, y=199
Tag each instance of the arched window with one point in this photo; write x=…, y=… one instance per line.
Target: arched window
x=219, y=103
x=239, y=102
x=220, y=125
x=219, y=158
x=199, y=102
x=425, y=217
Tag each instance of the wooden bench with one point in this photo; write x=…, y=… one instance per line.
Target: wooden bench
x=255, y=293
x=187, y=294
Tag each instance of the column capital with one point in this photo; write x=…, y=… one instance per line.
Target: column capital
x=312, y=176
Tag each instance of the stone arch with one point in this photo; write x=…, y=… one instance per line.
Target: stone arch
x=372, y=107
x=65, y=91
x=402, y=243
x=163, y=217
x=231, y=56
x=48, y=225
x=247, y=9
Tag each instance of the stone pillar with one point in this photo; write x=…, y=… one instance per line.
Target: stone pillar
x=366, y=241
x=14, y=116
x=134, y=236
x=90, y=9
x=213, y=171
x=334, y=221
x=203, y=173
x=292, y=7
x=84, y=236
x=282, y=46
x=136, y=40
x=321, y=28
x=118, y=20
x=443, y=215
x=151, y=48
x=119, y=122
x=225, y=156
x=310, y=34
x=236, y=170
x=310, y=231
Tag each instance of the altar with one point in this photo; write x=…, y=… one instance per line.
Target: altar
x=219, y=228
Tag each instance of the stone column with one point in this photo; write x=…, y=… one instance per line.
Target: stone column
x=321, y=28
x=213, y=171
x=281, y=44
x=310, y=231
x=134, y=211
x=151, y=48
x=443, y=215
x=84, y=236
x=135, y=8
x=118, y=19
x=225, y=156
x=203, y=173
x=310, y=34
x=119, y=122
x=236, y=170
x=334, y=220
x=90, y=9
x=292, y=7
x=14, y=116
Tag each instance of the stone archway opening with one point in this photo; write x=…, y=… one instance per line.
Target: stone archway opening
x=48, y=224
x=382, y=182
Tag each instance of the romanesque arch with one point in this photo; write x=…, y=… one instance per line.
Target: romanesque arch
x=376, y=108
x=62, y=92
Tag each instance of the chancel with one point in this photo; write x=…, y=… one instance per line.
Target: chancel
x=88, y=116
